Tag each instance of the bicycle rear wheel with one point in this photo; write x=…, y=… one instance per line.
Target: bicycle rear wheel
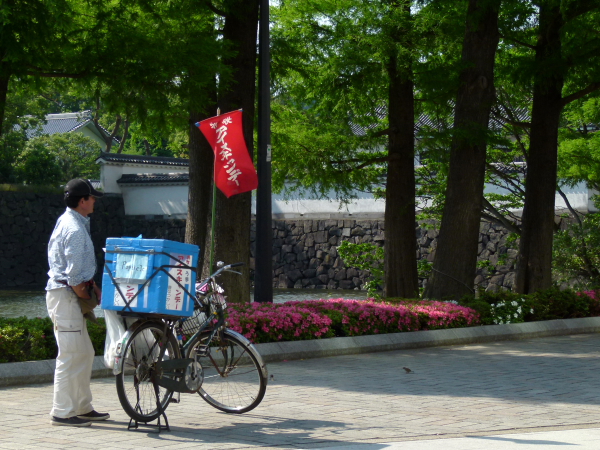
x=134, y=384
x=235, y=378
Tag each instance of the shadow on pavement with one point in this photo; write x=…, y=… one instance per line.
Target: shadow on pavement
x=561, y=369
x=282, y=433
x=521, y=441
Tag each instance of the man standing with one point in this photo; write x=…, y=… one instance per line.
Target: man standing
x=72, y=268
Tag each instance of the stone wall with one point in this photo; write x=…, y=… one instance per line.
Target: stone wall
x=26, y=223
x=304, y=251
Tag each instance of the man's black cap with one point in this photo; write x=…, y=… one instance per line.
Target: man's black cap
x=80, y=188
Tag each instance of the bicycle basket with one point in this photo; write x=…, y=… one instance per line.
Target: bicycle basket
x=192, y=324
x=217, y=300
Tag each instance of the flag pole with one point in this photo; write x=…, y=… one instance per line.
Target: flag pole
x=213, y=217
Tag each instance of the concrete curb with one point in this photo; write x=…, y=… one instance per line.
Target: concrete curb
x=43, y=371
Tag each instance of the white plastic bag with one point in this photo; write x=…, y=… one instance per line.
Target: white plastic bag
x=114, y=332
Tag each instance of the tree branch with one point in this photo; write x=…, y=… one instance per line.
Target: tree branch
x=360, y=166
x=589, y=266
x=498, y=217
x=506, y=178
x=58, y=74
x=583, y=92
x=214, y=9
x=569, y=207
x=525, y=44
x=379, y=133
x=125, y=130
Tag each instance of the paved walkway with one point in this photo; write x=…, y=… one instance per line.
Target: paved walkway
x=512, y=394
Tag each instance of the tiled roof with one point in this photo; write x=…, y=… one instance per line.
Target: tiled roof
x=96, y=184
x=358, y=130
x=510, y=169
x=120, y=158
x=153, y=178
x=497, y=120
x=63, y=123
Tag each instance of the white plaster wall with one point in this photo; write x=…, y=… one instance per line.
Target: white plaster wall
x=591, y=205
x=365, y=206
x=578, y=197
x=90, y=134
x=110, y=173
x=156, y=200
x=172, y=200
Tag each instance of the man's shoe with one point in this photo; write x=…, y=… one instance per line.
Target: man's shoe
x=70, y=422
x=94, y=415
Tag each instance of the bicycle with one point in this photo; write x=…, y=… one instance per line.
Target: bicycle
x=161, y=355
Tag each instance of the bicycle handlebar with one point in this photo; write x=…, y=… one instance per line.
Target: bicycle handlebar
x=222, y=269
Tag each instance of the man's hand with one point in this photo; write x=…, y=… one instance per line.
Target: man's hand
x=81, y=290
x=98, y=293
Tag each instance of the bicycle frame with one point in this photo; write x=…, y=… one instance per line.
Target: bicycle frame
x=175, y=324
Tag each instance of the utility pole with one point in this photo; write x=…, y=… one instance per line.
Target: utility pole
x=263, y=264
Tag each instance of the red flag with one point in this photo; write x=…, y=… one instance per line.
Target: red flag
x=234, y=171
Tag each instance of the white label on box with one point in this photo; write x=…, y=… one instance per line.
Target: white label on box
x=128, y=290
x=175, y=294
x=132, y=266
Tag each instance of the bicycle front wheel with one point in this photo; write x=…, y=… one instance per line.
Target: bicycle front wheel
x=235, y=378
x=135, y=388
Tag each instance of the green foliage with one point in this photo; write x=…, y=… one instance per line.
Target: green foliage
x=576, y=253
x=579, y=144
x=97, y=332
x=501, y=307
x=498, y=307
x=58, y=158
x=513, y=311
x=556, y=304
x=23, y=339
x=38, y=165
x=37, y=189
x=147, y=63
x=483, y=308
x=365, y=256
x=11, y=145
x=424, y=268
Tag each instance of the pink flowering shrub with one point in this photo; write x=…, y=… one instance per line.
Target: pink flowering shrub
x=594, y=305
x=268, y=322
x=295, y=320
x=436, y=315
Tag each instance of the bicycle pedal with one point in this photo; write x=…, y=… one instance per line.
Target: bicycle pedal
x=173, y=400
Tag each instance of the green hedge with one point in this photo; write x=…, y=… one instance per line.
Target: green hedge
x=23, y=339
x=550, y=304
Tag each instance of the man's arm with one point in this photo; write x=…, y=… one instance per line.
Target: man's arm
x=74, y=244
x=81, y=290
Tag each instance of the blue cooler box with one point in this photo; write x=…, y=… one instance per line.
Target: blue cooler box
x=162, y=295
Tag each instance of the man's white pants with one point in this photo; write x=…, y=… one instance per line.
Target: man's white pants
x=72, y=394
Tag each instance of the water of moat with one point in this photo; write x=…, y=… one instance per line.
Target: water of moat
x=32, y=303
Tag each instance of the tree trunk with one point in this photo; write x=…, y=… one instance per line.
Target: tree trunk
x=232, y=243
x=534, y=264
x=401, y=279
x=200, y=188
x=146, y=146
x=4, y=80
x=456, y=255
x=124, y=139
